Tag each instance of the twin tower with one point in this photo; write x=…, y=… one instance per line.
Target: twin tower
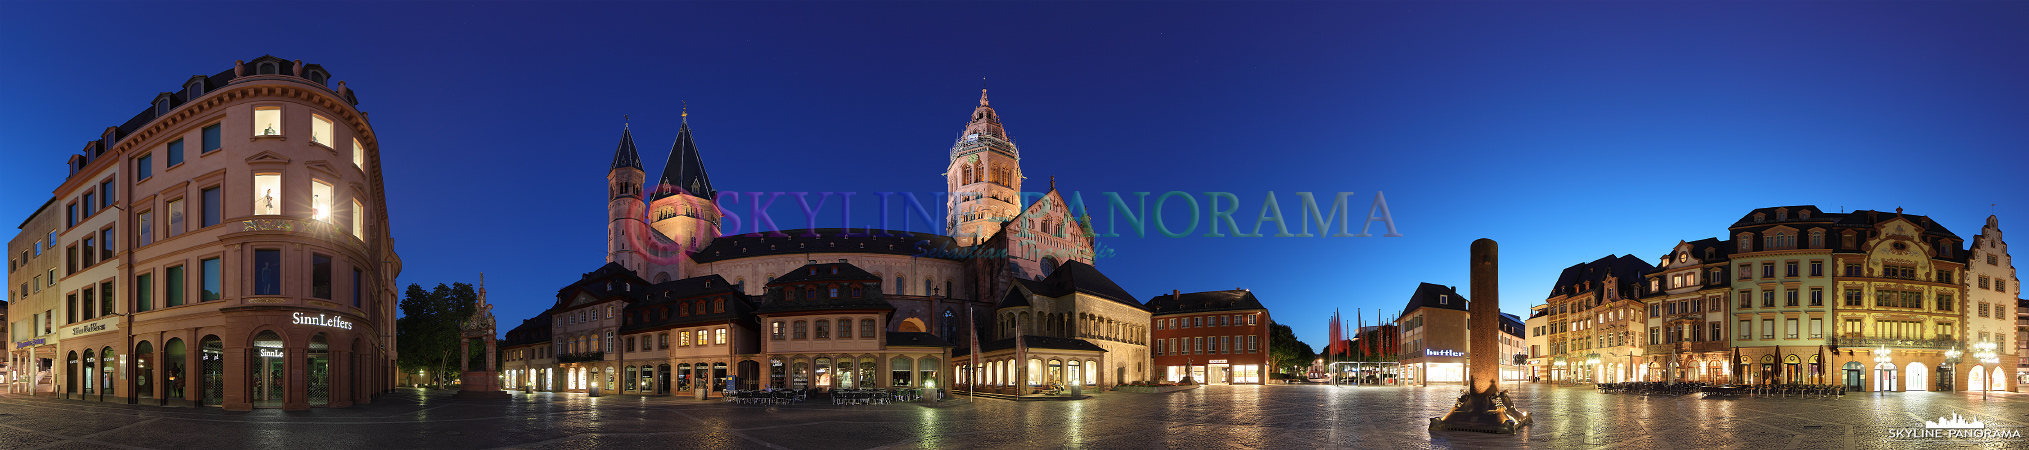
x=649, y=230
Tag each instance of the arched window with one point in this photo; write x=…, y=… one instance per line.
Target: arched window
x=144, y=369
x=172, y=369
x=318, y=381
x=87, y=374
x=966, y=174
x=267, y=68
x=683, y=309
x=719, y=306
x=855, y=291
x=950, y=325
x=926, y=286
x=899, y=285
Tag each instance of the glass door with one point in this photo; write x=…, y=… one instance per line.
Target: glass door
x=268, y=371
x=214, y=371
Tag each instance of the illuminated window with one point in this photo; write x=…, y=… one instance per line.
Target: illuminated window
x=719, y=336
x=268, y=121
x=320, y=200
x=320, y=130
x=358, y=220
x=358, y=155
x=267, y=194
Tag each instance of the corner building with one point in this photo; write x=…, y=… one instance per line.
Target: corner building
x=228, y=246
x=1217, y=337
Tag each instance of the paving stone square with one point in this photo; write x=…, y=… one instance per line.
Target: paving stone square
x=1274, y=416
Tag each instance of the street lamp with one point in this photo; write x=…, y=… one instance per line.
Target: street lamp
x=1986, y=356
x=1593, y=363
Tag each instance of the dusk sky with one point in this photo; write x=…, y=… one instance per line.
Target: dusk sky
x=1567, y=131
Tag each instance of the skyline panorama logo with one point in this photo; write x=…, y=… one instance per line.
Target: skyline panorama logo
x=751, y=216
x=1955, y=427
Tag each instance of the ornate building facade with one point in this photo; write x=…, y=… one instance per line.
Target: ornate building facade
x=228, y=246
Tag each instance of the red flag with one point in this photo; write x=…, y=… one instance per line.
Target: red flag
x=1332, y=348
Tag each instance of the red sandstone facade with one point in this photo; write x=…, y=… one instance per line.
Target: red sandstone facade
x=227, y=247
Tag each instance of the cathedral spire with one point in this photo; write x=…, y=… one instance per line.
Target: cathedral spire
x=626, y=157
x=685, y=171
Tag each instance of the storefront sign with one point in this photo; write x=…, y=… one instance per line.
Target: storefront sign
x=322, y=320
x=1216, y=361
x=89, y=328
x=31, y=343
x=271, y=353
x=1430, y=352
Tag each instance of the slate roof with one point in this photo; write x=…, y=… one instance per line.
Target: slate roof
x=1870, y=218
x=1627, y=268
x=824, y=240
x=1429, y=295
x=626, y=156
x=608, y=281
x=1233, y=300
x=1075, y=276
x=535, y=330
x=784, y=298
x=685, y=171
x=1034, y=342
x=825, y=272
x=670, y=294
x=915, y=339
x=1768, y=215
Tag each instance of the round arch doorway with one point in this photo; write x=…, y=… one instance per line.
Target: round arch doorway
x=1918, y=378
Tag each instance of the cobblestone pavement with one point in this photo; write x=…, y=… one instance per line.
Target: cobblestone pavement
x=1280, y=417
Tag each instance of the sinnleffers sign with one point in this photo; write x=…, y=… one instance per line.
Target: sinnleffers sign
x=89, y=328
x=322, y=320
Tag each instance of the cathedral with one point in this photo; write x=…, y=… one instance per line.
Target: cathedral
x=679, y=307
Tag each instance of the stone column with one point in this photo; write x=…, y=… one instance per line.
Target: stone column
x=1484, y=318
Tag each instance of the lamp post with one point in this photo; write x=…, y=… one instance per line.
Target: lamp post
x=1592, y=364
x=1952, y=358
x=1880, y=356
x=1986, y=356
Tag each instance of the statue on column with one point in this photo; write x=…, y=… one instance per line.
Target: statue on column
x=482, y=381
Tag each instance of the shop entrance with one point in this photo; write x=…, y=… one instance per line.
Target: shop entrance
x=269, y=367
x=1219, y=374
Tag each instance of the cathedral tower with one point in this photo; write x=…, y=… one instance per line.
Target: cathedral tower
x=625, y=231
x=984, y=178
x=685, y=205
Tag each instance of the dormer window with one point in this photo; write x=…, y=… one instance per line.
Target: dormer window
x=1805, y=214
x=162, y=107
x=268, y=68
x=1782, y=214
x=317, y=76
x=1443, y=299
x=1758, y=217
x=834, y=270
x=195, y=89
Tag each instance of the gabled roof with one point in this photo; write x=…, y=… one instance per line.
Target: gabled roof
x=685, y=171
x=1233, y=300
x=1075, y=276
x=607, y=282
x=626, y=156
x=1434, y=296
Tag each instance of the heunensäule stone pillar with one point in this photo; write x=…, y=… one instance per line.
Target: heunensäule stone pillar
x=1483, y=407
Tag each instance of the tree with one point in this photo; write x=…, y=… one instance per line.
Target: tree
x=427, y=333
x=1284, y=350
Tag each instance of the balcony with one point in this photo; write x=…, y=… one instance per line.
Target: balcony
x=1872, y=342
x=1706, y=346
x=568, y=358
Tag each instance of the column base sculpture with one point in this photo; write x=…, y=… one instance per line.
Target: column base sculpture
x=1482, y=412
x=480, y=384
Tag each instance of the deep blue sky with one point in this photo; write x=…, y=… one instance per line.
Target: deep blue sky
x=1567, y=131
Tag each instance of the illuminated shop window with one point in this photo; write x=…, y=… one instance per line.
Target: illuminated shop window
x=268, y=121
x=267, y=194
x=320, y=130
